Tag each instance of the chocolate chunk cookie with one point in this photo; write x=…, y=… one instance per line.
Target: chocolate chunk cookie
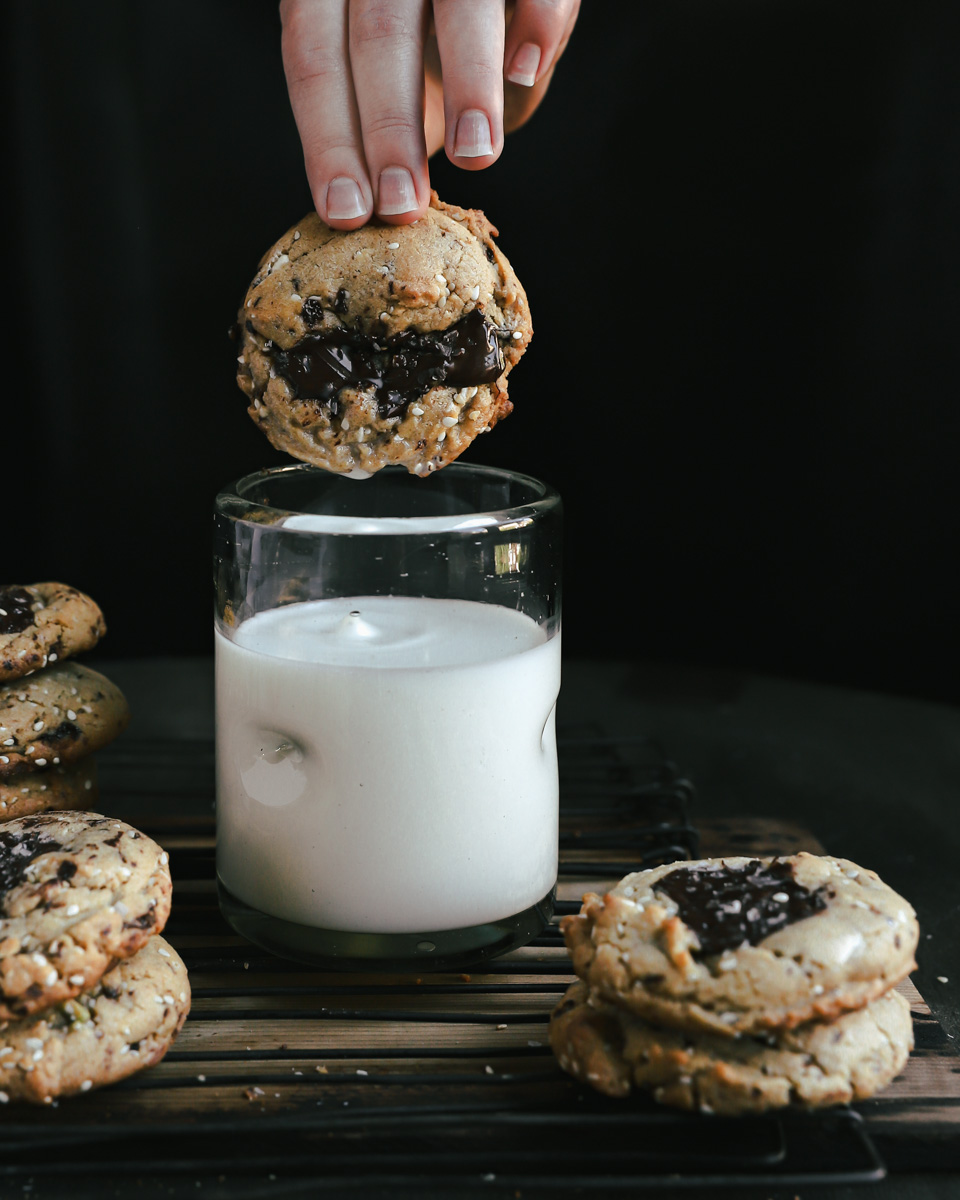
x=385, y=344
x=44, y=623
x=740, y=945
x=124, y=1023
x=77, y=890
x=812, y=1066
x=44, y=791
x=57, y=716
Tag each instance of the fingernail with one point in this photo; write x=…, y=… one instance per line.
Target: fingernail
x=473, y=135
x=395, y=192
x=525, y=63
x=344, y=199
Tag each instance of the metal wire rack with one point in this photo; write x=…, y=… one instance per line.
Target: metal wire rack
x=436, y=1083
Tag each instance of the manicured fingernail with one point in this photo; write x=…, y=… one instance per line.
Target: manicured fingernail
x=395, y=192
x=473, y=135
x=523, y=69
x=344, y=199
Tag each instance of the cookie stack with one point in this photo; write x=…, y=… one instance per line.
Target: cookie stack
x=740, y=984
x=54, y=714
x=89, y=991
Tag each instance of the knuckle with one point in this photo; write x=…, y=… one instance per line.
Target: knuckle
x=381, y=22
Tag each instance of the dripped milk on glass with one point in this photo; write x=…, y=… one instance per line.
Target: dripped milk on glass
x=388, y=763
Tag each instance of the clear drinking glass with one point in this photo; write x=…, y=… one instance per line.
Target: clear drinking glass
x=388, y=665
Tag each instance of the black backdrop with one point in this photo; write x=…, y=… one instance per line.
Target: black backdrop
x=736, y=221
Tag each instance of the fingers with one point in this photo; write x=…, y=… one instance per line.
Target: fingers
x=357, y=85
x=316, y=61
x=470, y=38
x=386, y=56
x=536, y=38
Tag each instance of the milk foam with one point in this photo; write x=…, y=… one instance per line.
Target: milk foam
x=387, y=764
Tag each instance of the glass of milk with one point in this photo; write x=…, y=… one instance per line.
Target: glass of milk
x=387, y=671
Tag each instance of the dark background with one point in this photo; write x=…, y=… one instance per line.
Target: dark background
x=736, y=221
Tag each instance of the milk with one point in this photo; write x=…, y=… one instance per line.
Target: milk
x=387, y=764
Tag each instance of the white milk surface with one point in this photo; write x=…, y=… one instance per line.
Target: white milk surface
x=387, y=764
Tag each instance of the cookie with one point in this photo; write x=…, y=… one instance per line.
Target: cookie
x=126, y=1022
x=388, y=344
x=77, y=890
x=56, y=788
x=739, y=945
x=44, y=623
x=812, y=1066
x=57, y=716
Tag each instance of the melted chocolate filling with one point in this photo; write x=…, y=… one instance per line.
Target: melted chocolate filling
x=727, y=906
x=398, y=369
x=17, y=852
x=16, y=611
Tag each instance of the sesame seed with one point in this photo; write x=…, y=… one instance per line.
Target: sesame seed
x=416, y=410
x=475, y=292
x=449, y=422
x=37, y=725
x=86, y=1085
x=393, y=245
x=72, y=910
x=780, y=897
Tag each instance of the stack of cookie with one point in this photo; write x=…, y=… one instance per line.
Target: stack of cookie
x=89, y=991
x=740, y=984
x=54, y=714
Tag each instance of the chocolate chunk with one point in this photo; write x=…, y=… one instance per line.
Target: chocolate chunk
x=17, y=851
x=16, y=610
x=397, y=369
x=312, y=310
x=727, y=906
x=60, y=733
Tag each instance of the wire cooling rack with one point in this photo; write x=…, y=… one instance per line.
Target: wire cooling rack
x=306, y=1081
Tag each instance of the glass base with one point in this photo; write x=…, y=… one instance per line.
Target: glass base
x=338, y=950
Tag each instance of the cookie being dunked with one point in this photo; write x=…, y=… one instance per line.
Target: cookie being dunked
x=385, y=344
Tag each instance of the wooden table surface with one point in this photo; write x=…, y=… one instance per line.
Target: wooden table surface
x=283, y=1073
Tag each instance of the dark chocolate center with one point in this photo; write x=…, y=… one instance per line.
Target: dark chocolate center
x=16, y=609
x=398, y=369
x=727, y=906
x=17, y=851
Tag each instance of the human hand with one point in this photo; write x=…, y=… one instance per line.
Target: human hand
x=371, y=104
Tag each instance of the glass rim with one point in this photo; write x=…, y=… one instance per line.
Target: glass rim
x=546, y=499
